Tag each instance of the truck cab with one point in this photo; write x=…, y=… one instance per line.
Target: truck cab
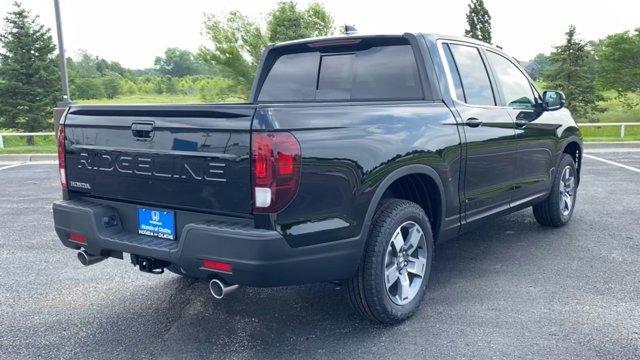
x=354, y=156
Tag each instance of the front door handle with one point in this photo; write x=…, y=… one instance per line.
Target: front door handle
x=473, y=122
x=521, y=123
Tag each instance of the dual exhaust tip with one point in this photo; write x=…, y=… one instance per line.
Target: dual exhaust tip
x=219, y=288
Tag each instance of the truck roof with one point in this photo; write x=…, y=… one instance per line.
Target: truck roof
x=429, y=36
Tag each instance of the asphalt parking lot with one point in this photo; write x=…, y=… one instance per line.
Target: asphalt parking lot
x=509, y=290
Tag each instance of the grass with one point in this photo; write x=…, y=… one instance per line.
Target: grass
x=36, y=149
x=146, y=99
x=615, y=109
x=18, y=145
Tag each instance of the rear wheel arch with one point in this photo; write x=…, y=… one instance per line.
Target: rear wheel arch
x=420, y=184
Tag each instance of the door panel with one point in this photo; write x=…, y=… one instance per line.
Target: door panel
x=535, y=135
x=535, y=141
x=489, y=133
x=490, y=161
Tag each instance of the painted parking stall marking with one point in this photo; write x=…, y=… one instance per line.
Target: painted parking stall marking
x=613, y=163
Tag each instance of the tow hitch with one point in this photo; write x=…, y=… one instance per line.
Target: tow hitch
x=149, y=265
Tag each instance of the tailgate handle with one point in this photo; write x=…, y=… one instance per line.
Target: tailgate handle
x=142, y=130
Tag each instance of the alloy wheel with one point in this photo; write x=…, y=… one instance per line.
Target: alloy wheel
x=567, y=191
x=405, y=263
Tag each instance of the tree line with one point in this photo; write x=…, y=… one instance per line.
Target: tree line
x=223, y=70
x=581, y=69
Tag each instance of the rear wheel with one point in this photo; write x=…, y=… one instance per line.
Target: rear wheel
x=557, y=209
x=394, y=272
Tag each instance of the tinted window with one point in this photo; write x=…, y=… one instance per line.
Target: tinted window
x=336, y=76
x=292, y=77
x=455, y=75
x=383, y=72
x=513, y=84
x=473, y=74
x=388, y=72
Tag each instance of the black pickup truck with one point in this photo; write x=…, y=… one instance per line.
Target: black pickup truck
x=354, y=156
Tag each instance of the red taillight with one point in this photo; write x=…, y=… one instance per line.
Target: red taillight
x=61, y=157
x=79, y=238
x=216, y=265
x=276, y=170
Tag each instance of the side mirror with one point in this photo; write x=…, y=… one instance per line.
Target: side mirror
x=553, y=100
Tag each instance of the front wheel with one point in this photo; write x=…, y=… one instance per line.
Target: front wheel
x=557, y=209
x=394, y=272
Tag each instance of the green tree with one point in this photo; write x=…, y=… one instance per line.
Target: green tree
x=478, y=22
x=238, y=42
x=572, y=70
x=618, y=66
x=112, y=84
x=287, y=22
x=237, y=45
x=536, y=67
x=87, y=88
x=179, y=63
x=217, y=89
x=29, y=79
x=84, y=66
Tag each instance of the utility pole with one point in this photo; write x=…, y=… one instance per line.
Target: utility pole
x=61, y=108
x=66, y=99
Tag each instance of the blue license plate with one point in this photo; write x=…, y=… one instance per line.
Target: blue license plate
x=158, y=223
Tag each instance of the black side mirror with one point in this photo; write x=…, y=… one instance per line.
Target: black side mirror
x=553, y=100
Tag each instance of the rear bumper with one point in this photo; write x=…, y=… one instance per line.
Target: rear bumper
x=258, y=257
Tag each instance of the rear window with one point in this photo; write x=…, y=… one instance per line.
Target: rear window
x=377, y=73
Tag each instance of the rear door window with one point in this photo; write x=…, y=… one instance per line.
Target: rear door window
x=377, y=73
x=472, y=74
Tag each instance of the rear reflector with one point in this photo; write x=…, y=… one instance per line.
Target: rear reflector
x=216, y=265
x=79, y=238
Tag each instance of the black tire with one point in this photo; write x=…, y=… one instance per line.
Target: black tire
x=367, y=291
x=549, y=212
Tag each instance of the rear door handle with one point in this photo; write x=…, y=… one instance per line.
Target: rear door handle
x=473, y=122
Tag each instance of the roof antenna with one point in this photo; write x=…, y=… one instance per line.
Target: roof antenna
x=349, y=29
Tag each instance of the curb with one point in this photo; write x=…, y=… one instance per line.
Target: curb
x=28, y=157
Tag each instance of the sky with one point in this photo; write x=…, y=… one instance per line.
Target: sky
x=134, y=32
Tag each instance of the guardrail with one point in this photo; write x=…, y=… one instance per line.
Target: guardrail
x=621, y=125
x=23, y=134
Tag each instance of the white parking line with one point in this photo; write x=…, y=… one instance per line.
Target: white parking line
x=28, y=163
x=11, y=166
x=613, y=163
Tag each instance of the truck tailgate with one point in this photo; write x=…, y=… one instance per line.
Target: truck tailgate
x=192, y=157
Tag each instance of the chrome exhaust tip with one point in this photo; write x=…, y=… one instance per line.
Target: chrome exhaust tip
x=220, y=288
x=87, y=259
